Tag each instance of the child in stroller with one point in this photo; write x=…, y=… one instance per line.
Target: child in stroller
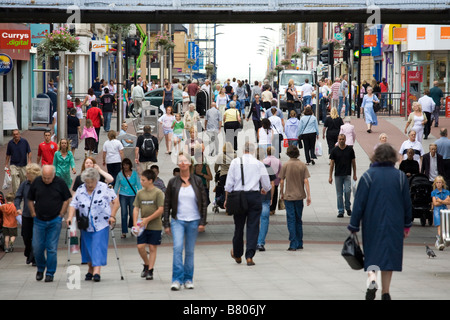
x=420, y=190
x=221, y=169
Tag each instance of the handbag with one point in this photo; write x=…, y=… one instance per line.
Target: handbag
x=236, y=200
x=376, y=106
x=352, y=253
x=281, y=205
x=83, y=221
x=300, y=143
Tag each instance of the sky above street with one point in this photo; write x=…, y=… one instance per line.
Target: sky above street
x=237, y=50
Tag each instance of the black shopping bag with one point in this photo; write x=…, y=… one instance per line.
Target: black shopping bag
x=352, y=253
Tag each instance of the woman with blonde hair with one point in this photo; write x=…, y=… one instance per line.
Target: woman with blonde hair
x=416, y=121
x=367, y=106
x=332, y=127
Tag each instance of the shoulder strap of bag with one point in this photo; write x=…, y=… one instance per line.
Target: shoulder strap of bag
x=129, y=182
x=242, y=172
x=305, y=125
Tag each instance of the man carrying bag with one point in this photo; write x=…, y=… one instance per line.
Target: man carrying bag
x=247, y=179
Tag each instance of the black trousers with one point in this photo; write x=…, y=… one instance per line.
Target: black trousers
x=427, y=127
x=309, y=145
x=98, y=139
x=250, y=219
x=27, y=235
x=231, y=132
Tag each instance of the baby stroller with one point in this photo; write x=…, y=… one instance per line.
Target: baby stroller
x=219, y=199
x=420, y=190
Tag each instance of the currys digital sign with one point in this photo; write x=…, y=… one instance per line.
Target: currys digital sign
x=15, y=39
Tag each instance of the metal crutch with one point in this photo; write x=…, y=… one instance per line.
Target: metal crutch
x=68, y=246
x=115, y=249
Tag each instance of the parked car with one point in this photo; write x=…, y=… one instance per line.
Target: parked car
x=155, y=97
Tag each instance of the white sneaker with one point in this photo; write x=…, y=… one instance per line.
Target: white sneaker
x=189, y=285
x=175, y=286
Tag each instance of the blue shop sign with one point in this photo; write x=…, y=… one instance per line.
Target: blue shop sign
x=6, y=64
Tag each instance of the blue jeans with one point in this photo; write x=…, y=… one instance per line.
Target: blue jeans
x=343, y=190
x=264, y=222
x=343, y=101
x=242, y=102
x=184, y=234
x=126, y=209
x=45, y=238
x=294, y=211
x=107, y=116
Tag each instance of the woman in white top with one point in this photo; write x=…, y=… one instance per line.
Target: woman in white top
x=277, y=126
x=417, y=121
x=265, y=135
x=89, y=98
x=113, y=154
x=167, y=120
x=221, y=101
x=186, y=100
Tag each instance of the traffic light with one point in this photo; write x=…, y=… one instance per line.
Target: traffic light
x=349, y=39
x=327, y=54
x=133, y=46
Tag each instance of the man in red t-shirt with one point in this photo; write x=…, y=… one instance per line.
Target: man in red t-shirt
x=46, y=149
x=384, y=92
x=95, y=114
x=192, y=90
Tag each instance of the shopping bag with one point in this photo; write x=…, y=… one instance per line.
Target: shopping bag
x=7, y=179
x=319, y=150
x=285, y=143
x=352, y=253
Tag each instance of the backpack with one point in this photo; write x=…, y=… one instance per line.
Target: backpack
x=148, y=147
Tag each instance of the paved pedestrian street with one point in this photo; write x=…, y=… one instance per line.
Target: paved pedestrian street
x=318, y=272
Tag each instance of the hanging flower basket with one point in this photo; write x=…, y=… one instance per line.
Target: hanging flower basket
x=278, y=68
x=190, y=62
x=337, y=43
x=306, y=49
x=169, y=45
x=58, y=40
x=285, y=62
x=296, y=55
x=162, y=39
x=209, y=67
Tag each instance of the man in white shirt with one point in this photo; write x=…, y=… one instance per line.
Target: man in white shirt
x=213, y=123
x=234, y=84
x=428, y=106
x=307, y=90
x=256, y=183
x=137, y=95
x=412, y=143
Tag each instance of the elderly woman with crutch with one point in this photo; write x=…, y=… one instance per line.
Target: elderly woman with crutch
x=97, y=205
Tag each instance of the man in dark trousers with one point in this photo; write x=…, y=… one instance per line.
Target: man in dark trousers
x=343, y=158
x=48, y=200
x=256, y=184
x=107, y=100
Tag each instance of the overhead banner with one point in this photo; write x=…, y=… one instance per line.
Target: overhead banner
x=97, y=46
x=15, y=39
x=400, y=34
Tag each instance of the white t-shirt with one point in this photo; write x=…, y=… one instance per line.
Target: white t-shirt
x=167, y=121
x=307, y=89
x=416, y=145
x=112, y=149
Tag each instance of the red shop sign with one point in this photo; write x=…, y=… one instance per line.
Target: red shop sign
x=15, y=39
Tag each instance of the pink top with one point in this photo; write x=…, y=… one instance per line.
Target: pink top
x=350, y=134
x=89, y=133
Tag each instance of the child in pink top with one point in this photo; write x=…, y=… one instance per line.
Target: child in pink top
x=91, y=137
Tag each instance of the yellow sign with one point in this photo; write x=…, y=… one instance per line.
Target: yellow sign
x=388, y=34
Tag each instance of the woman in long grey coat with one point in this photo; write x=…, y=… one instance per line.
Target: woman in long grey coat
x=383, y=207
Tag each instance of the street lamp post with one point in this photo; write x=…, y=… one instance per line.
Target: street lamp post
x=62, y=98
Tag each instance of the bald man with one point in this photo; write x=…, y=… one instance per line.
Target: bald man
x=48, y=200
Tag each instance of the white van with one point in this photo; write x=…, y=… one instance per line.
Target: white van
x=298, y=76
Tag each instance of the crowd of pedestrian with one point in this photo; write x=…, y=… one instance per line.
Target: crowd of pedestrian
x=259, y=177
